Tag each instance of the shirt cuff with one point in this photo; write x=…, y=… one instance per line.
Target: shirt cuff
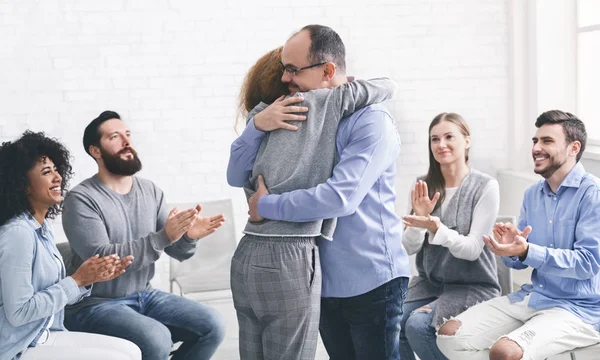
x=85, y=291
x=188, y=239
x=186, y=243
x=73, y=292
x=160, y=241
x=441, y=235
x=415, y=232
x=535, y=256
x=267, y=207
x=251, y=134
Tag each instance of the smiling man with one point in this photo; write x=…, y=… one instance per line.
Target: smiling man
x=115, y=212
x=558, y=237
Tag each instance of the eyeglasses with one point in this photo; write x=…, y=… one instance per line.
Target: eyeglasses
x=293, y=71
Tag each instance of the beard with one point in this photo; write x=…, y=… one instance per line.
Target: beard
x=549, y=170
x=118, y=166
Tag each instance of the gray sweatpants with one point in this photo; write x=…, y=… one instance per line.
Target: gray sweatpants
x=276, y=286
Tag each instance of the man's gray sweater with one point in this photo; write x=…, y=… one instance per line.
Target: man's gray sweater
x=98, y=220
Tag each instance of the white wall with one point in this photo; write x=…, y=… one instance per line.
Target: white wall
x=542, y=76
x=172, y=69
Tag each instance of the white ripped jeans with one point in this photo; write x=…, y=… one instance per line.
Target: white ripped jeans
x=540, y=333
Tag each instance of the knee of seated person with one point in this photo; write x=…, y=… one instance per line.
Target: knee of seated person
x=450, y=328
x=217, y=331
x=417, y=324
x=157, y=341
x=506, y=349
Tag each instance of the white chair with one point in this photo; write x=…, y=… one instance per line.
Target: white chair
x=205, y=276
x=591, y=352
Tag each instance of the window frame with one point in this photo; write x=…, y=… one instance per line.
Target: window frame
x=593, y=141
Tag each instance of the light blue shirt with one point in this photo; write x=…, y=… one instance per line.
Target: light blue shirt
x=564, y=246
x=366, y=250
x=32, y=285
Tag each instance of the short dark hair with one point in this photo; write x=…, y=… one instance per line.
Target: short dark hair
x=91, y=135
x=16, y=159
x=326, y=45
x=573, y=127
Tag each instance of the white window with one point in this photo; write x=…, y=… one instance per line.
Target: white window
x=588, y=66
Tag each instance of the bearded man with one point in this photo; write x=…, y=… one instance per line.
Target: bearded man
x=117, y=212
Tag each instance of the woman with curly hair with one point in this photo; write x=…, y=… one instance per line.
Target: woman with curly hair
x=275, y=271
x=34, y=172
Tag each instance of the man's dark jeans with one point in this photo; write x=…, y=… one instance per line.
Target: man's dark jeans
x=364, y=327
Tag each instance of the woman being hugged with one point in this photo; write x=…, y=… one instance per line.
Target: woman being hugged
x=452, y=207
x=34, y=289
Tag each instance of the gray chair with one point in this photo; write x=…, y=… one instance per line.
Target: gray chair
x=504, y=272
x=205, y=276
x=504, y=277
x=67, y=254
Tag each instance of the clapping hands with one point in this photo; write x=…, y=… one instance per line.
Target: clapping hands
x=508, y=240
x=96, y=269
x=422, y=207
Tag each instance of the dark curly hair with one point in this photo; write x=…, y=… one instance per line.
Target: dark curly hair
x=16, y=159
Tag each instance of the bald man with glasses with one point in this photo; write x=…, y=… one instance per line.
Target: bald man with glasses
x=364, y=268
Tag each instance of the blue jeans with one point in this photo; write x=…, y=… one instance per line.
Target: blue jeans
x=364, y=327
x=153, y=320
x=417, y=334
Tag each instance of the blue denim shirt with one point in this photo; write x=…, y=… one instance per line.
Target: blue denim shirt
x=366, y=250
x=32, y=285
x=564, y=246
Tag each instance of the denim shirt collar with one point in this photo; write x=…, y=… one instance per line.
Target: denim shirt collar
x=573, y=179
x=35, y=225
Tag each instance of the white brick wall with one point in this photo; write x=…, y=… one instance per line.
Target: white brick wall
x=172, y=69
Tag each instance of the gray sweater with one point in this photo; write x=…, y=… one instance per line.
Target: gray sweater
x=458, y=284
x=98, y=220
x=291, y=160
